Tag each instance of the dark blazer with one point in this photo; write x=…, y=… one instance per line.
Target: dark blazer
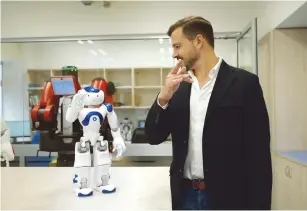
x=236, y=141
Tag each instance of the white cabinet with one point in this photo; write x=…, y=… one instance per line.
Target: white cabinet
x=290, y=185
x=283, y=74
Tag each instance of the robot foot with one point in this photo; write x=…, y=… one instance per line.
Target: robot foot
x=106, y=189
x=84, y=192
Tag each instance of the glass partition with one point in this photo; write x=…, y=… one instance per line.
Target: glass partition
x=137, y=67
x=247, y=50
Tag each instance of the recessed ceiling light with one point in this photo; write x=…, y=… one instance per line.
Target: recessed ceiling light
x=90, y=41
x=80, y=42
x=102, y=52
x=94, y=52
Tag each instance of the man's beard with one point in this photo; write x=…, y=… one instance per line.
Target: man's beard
x=191, y=62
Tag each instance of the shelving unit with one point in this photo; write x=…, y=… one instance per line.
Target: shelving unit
x=136, y=88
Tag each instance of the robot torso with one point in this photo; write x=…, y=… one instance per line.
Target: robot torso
x=91, y=120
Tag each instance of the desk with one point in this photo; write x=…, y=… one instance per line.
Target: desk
x=164, y=149
x=47, y=188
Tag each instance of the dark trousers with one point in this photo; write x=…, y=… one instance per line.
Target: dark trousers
x=193, y=199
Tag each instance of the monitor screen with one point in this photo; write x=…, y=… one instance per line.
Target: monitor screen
x=63, y=86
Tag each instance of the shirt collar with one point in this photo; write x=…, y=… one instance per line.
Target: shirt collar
x=213, y=72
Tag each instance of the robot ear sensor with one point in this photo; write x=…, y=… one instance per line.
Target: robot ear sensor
x=111, y=88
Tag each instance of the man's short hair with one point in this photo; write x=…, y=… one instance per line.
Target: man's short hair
x=192, y=26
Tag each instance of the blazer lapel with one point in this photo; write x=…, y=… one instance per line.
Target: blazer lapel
x=224, y=80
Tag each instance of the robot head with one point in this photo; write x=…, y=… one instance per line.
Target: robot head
x=107, y=87
x=92, y=96
x=70, y=70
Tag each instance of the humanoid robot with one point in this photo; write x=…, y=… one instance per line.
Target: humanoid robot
x=126, y=128
x=87, y=106
x=7, y=151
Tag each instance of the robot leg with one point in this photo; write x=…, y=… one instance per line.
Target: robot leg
x=102, y=163
x=83, y=167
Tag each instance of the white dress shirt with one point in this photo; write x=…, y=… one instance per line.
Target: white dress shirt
x=199, y=100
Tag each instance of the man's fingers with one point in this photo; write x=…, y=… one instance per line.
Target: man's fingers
x=178, y=76
x=177, y=81
x=176, y=68
x=182, y=70
x=188, y=80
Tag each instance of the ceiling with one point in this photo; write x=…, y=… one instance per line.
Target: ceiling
x=297, y=20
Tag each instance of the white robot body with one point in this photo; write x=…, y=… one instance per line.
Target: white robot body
x=7, y=152
x=91, y=120
x=87, y=107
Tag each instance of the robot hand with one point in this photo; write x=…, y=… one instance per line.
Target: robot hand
x=78, y=99
x=119, y=146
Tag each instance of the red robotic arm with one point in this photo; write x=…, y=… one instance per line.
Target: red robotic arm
x=46, y=111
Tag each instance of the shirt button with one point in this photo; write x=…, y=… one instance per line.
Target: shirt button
x=180, y=170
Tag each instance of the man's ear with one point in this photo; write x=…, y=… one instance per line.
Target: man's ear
x=199, y=41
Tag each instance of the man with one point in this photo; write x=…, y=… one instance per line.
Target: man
x=219, y=125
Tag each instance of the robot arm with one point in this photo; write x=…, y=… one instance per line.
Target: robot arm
x=7, y=152
x=45, y=112
x=118, y=142
x=75, y=106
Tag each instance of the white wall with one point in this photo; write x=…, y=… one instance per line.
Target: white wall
x=72, y=18
x=274, y=13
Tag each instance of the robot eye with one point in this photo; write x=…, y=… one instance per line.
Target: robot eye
x=88, y=95
x=97, y=95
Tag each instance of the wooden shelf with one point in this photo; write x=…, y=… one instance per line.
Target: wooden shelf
x=164, y=73
x=35, y=88
x=124, y=96
x=87, y=75
x=148, y=87
x=120, y=77
x=136, y=88
x=147, y=77
x=145, y=97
